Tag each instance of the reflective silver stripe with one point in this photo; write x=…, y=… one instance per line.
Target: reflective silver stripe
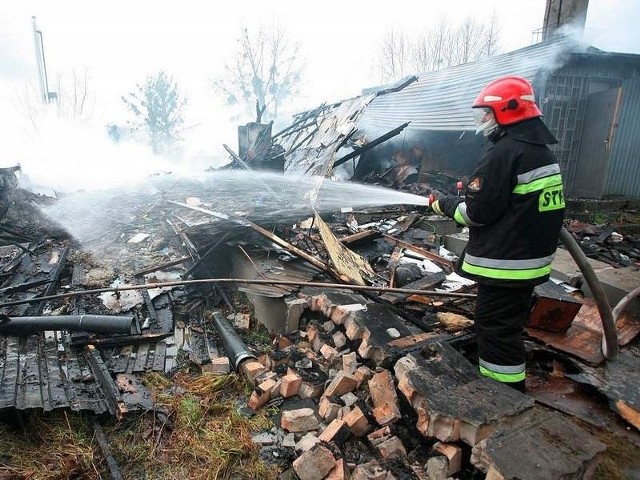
x=537, y=173
x=502, y=368
x=462, y=208
x=509, y=264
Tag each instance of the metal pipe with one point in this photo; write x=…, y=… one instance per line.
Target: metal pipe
x=624, y=302
x=610, y=337
x=77, y=323
x=330, y=286
x=233, y=345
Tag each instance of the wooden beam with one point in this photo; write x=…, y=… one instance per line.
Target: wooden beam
x=425, y=253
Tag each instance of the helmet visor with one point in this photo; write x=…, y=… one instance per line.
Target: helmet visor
x=485, y=120
x=481, y=115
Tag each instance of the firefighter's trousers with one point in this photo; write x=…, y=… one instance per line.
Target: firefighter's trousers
x=499, y=321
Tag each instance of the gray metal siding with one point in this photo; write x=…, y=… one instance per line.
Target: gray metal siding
x=623, y=175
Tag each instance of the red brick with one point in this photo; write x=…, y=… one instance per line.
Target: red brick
x=453, y=453
x=335, y=429
x=350, y=362
x=219, y=365
x=314, y=464
x=327, y=409
x=378, y=436
x=261, y=394
x=290, y=385
x=357, y=421
x=341, y=384
x=353, y=328
x=300, y=420
x=312, y=333
x=362, y=374
x=384, y=398
x=309, y=390
x=252, y=369
x=339, y=340
x=339, y=472
x=328, y=352
x=392, y=447
x=283, y=342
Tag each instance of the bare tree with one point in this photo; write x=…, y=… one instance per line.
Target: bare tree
x=492, y=36
x=75, y=98
x=468, y=42
x=443, y=45
x=394, y=58
x=157, y=106
x=265, y=71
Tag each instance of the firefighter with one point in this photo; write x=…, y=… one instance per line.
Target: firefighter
x=514, y=208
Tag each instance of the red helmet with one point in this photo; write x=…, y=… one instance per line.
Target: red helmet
x=511, y=99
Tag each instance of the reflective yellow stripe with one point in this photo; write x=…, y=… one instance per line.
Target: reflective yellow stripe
x=522, y=274
x=457, y=216
x=503, y=377
x=538, y=184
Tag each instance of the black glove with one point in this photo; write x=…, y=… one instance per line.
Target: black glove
x=446, y=206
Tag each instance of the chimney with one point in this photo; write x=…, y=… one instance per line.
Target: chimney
x=559, y=13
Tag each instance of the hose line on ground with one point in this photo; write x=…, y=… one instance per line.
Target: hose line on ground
x=610, y=337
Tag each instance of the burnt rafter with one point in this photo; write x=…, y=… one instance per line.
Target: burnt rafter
x=370, y=145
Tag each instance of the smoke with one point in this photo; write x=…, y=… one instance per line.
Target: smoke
x=65, y=156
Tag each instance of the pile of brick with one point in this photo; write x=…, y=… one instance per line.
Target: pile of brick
x=330, y=381
x=362, y=396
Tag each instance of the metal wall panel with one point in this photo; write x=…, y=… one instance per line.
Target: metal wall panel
x=623, y=175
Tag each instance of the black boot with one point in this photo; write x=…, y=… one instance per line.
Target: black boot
x=517, y=385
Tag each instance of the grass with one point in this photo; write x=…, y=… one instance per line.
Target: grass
x=620, y=461
x=198, y=434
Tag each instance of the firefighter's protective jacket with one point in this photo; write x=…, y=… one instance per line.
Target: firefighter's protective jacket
x=514, y=207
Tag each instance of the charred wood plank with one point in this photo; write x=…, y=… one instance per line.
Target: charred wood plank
x=360, y=237
x=114, y=469
x=161, y=266
x=54, y=396
x=425, y=253
x=158, y=359
x=271, y=236
x=54, y=276
x=370, y=145
x=9, y=371
x=23, y=286
x=108, y=388
x=424, y=283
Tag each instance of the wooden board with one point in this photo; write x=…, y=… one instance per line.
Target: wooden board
x=584, y=338
x=345, y=261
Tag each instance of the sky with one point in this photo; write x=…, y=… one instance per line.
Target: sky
x=118, y=43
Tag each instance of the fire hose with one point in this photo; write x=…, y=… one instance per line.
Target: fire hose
x=608, y=317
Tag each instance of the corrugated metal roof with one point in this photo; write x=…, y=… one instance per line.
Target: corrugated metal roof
x=441, y=100
x=37, y=371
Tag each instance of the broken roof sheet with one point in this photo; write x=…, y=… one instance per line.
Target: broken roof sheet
x=441, y=100
x=311, y=148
